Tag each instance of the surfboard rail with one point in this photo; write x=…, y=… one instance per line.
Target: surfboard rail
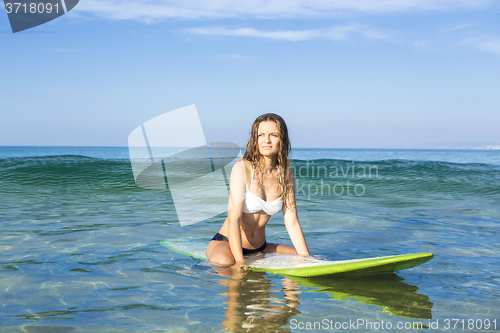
x=366, y=266
x=308, y=267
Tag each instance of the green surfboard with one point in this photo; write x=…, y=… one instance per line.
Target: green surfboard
x=306, y=267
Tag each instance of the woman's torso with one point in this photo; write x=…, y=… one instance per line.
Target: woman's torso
x=267, y=187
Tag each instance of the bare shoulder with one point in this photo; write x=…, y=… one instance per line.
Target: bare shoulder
x=241, y=168
x=239, y=165
x=248, y=164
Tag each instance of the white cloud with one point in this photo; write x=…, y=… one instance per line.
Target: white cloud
x=333, y=33
x=65, y=50
x=288, y=35
x=154, y=10
x=236, y=57
x=372, y=34
x=457, y=27
x=485, y=44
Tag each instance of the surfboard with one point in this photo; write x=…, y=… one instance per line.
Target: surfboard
x=306, y=267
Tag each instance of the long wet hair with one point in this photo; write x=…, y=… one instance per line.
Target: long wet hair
x=252, y=153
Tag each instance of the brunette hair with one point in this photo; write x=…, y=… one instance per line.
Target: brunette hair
x=252, y=153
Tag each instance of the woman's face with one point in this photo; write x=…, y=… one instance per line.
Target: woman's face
x=268, y=138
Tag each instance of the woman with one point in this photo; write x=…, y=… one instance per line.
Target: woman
x=261, y=185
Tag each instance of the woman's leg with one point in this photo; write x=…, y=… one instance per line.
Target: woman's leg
x=219, y=253
x=278, y=248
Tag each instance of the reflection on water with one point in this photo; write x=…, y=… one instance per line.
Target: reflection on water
x=253, y=303
x=387, y=291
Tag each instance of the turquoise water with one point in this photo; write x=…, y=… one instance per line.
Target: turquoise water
x=80, y=246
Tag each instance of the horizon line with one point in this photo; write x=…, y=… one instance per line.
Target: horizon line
x=486, y=147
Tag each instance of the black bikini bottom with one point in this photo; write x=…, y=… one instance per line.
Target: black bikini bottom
x=219, y=237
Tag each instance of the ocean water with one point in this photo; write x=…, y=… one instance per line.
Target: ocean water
x=80, y=247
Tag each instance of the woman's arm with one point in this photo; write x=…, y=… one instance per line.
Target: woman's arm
x=237, y=187
x=292, y=220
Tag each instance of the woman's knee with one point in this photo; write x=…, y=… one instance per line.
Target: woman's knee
x=284, y=249
x=219, y=253
x=224, y=261
x=278, y=248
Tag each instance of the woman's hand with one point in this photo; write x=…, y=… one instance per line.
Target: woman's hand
x=240, y=266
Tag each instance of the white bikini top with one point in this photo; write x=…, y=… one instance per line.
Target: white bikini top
x=254, y=203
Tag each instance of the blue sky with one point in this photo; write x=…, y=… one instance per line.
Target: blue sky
x=343, y=74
